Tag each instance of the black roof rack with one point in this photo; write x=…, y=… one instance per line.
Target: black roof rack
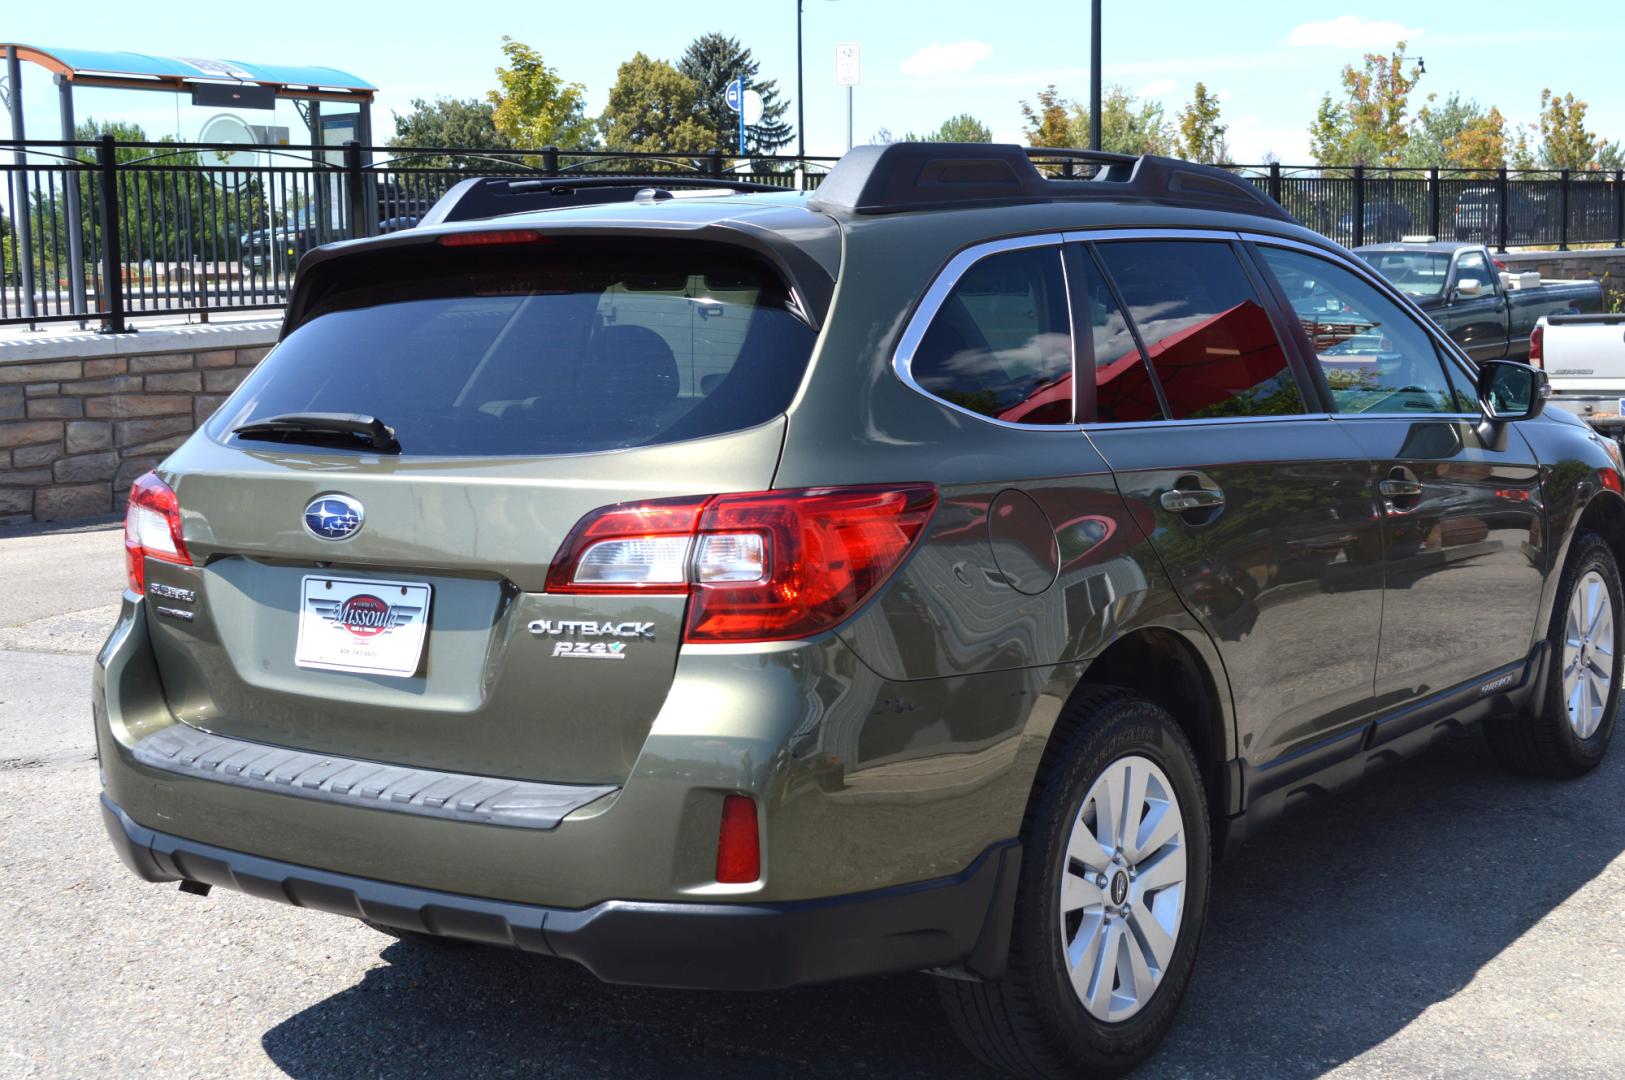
x=940, y=176
x=492, y=196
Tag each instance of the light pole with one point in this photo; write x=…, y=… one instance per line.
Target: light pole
x=801, y=92
x=1094, y=77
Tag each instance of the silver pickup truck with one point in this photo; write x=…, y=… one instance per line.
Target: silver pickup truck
x=1584, y=358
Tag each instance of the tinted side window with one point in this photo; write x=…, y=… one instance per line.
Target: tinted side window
x=1124, y=391
x=1001, y=344
x=1375, y=357
x=1208, y=334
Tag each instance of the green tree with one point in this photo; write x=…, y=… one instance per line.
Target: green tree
x=1565, y=142
x=460, y=123
x=1611, y=156
x=1370, y=125
x=963, y=128
x=653, y=107
x=1456, y=133
x=712, y=61
x=1201, y=136
x=1049, y=123
x=533, y=107
x=1127, y=124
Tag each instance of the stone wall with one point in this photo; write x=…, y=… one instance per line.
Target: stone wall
x=83, y=415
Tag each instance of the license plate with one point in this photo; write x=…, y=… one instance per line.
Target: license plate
x=371, y=627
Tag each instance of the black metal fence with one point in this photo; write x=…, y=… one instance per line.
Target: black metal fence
x=1502, y=209
x=105, y=231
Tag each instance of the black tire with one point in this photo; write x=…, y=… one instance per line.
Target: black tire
x=1031, y=1023
x=1541, y=741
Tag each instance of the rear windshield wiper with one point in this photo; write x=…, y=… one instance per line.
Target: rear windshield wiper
x=322, y=428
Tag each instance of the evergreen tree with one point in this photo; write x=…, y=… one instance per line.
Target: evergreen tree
x=711, y=62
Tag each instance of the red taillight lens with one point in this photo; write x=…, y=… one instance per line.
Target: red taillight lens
x=1537, y=346
x=739, y=844
x=152, y=529
x=767, y=566
x=828, y=550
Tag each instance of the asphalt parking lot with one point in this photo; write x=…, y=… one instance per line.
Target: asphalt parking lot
x=1442, y=920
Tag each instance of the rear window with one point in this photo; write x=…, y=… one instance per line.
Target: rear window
x=555, y=347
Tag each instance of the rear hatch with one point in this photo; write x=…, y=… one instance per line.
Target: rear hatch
x=386, y=597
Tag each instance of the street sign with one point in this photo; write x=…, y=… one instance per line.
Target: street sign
x=752, y=112
x=848, y=64
x=735, y=94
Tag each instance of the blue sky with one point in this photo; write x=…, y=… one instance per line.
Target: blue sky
x=1267, y=59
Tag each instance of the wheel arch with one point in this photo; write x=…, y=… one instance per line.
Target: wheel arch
x=1187, y=679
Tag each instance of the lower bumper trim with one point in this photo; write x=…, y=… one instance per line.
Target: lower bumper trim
x=939, y=923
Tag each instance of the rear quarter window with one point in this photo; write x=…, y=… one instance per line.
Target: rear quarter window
x=556, y=347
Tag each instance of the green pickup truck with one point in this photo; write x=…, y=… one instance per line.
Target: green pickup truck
x=1459, y=286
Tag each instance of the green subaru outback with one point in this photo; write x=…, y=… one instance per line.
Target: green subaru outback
x=732, y=589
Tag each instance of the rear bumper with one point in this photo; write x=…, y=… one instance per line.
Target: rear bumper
x=1601, y=411
x=953, y=921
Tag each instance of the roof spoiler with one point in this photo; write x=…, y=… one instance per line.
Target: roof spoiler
x=939, y=176
x=492, y=196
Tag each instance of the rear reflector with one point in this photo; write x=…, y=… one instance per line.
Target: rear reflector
x=765, y=566
x=152, y=529
x=739, y=845
x=490, y=236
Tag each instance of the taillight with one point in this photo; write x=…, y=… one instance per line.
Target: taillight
x=766, y=566
x=1537, y=346
x=152, y=529
x=739, y=843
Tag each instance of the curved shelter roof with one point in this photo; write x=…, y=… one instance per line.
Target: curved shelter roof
x=142, y=71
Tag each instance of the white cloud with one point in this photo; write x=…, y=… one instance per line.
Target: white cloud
x=953, y=58
x=1352, y=32
x=1158, y=88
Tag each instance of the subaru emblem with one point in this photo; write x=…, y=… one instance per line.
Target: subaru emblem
x=333, y=517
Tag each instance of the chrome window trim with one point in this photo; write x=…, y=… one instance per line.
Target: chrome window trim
x=937, y=293
x=1282, y=418
x=1357, y=266
x=1079, y=236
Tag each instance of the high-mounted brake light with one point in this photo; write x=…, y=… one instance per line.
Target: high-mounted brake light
x=1537, y=346
x=152, y=529
x=764, y=566
x=490, y=236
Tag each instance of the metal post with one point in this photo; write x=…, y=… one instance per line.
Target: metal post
x=1563, y=210
x=1275, y=180
x=713, y=163
x=1433, y=202
x=550, y=161
x=1619, y=208
x=849, y=118
x=21, y=218
x=76, y=225
x=1094, y=77
x=801, y=92
x=363, y=134
x=112, y=257
x=1359, y=206
x=356, y=197
x=1501, y=210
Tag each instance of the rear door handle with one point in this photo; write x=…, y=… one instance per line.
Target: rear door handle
x=1179, y=500
x=1399, y=489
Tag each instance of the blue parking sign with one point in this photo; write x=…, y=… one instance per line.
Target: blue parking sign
x=735, y=95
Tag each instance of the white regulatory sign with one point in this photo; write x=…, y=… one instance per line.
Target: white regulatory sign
x=753, y=108
x=848, y=64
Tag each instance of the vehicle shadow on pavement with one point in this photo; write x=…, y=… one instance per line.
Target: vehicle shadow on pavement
x=1328, y=935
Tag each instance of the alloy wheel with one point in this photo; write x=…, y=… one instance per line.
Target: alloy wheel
x=1588, y=654
x=1123, y=888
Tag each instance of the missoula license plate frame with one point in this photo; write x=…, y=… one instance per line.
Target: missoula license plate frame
x=365, y=626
